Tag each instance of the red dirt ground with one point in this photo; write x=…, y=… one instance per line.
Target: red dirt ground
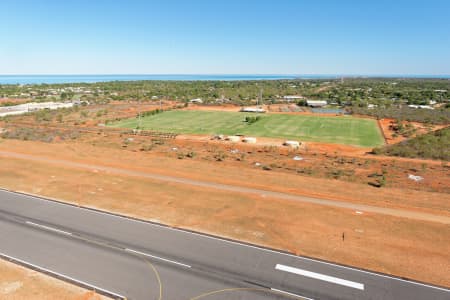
x=386, y=124
x=19, y=283
x=14, y=100
x=396, y=245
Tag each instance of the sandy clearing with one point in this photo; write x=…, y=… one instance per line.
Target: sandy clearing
x=239, y=189
x=165, y=162
x=17, y=283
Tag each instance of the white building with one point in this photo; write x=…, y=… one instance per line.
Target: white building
x=252, y=110
x=30, y=107
x=420, y=106
x=316, y=103
x=292, y=98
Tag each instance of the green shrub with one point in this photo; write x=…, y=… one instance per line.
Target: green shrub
x=149, y=113
x=435, y=116
x=433, y=145
x=252, y=119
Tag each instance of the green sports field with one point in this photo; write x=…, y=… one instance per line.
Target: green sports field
x=339, y=130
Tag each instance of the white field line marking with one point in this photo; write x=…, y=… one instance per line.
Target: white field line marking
x=48, y=228
x=290, y=294
x=42, y=269
x=319, y=276
x=157, y=257
x=115, y=215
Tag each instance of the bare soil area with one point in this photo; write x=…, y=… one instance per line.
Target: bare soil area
x=19, y=283
x=13, y=100
x=393, y=138
x=76, y=170
x=395, y=245
x=213, y=107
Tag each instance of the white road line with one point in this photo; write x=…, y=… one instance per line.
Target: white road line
x=291, y=294
x=319, y=276
x=111, y=214
x=157, y=257
x=45, y=270
x=115, y=215
x=48, y=228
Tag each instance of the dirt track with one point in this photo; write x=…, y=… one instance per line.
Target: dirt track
x=233, y=188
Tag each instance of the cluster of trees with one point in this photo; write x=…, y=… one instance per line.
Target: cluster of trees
x=434, y=145
x=36, y=134
x=10, y=89
x=252, y=119
x=238, y=92
x=355, y=92
x=149, y=113
x=385, y=91
x=66, y=95
x=431, y=116
x=47, y=115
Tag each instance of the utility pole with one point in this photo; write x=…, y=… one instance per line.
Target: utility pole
x=139, y=112
x=260, y=96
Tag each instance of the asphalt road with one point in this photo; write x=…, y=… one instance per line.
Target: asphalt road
x=141, y=260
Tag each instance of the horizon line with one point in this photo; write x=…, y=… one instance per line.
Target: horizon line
x=231, y=74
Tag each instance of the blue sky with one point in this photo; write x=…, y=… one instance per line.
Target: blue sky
x=225, y=37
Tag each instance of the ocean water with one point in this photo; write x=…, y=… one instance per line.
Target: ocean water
x=54, y=79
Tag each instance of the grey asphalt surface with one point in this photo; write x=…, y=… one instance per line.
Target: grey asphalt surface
x=141, y=260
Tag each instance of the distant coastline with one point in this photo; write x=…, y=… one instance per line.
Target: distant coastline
x=61, y=79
